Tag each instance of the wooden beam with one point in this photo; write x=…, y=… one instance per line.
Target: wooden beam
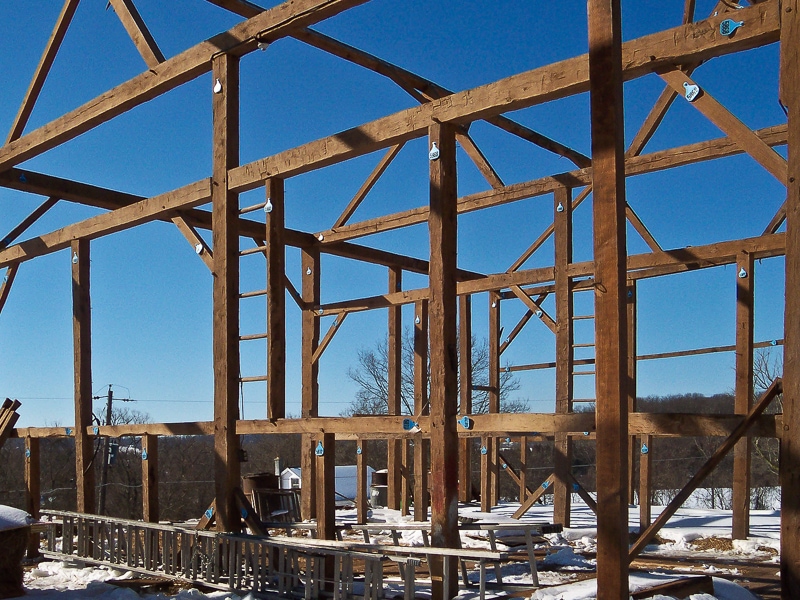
x=564, y=331
x=362, y=490
x=105, y=224
x=641, y=229
x=790, y=439
x=743, y=392
x=443, y=334
x=645, y=450
x=535, y=307
x=198, y=193
x=240, y=7
x=480, y=160
x=608, y=184
x=517, y=328
x=636, y=165
x=150, y=509
x=394, y=378
x=28, y=221
x=190, y=64
x=412, y=82
x=545, y=235
x=139, y=33
x=201, y=247
x=325, y=459
x=421, y=407
x=640, y=266
x=310, y=289
x=5, y=285
x=370, y=182
x=82, y=357
x=694, y=41
x=337, y=322
x=489, y=462
x=633, y=449
x=730, y=125
x=33, y=487
x=43, y=69
x=276, y=300
x=225, y=111
x=465, y=393
x=720, y=453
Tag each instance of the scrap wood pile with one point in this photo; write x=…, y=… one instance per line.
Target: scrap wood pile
x=8, y=418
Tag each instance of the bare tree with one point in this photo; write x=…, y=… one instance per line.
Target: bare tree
x=767, y=365
x=371, y=375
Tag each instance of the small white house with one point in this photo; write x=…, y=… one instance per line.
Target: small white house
x=346, y=480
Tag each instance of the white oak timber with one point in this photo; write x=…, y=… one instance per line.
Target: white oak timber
x=790, y=440
x=644, y=55
x=271, y=24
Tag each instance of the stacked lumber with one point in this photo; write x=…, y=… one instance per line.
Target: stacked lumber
x=8, y=418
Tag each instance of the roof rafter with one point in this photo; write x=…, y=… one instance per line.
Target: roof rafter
x=190, y=64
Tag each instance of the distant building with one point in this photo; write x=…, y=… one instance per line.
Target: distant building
x=346, y=481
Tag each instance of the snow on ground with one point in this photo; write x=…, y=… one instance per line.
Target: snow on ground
x=68, y=581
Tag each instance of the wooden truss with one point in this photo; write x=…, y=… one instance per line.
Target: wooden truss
x=444, y=118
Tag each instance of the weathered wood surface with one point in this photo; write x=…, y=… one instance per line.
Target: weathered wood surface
x=241, y=39
x=694, y=41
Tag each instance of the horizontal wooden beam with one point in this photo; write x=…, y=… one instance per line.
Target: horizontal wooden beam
x=391, y=426
x=243, y=38
x=691, y=42
x=118, y=220
x=640, y=266
x=635, y=165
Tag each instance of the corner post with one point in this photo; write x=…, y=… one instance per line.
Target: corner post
x=276, y=301
x=608, y=184
x=310, y=261
x=790, y=436
x=82, y=352
x=442, y=226
x=562, y=487
x=225, y=223
x=743, y=393
x=150, y=507
x=394, y=380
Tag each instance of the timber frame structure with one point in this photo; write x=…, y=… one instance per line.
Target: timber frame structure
x=444, y=306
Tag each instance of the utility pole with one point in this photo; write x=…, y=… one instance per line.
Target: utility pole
x=104, y=471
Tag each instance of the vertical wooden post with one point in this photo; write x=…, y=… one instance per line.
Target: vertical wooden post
x=394, y=361
x=310, y=377
x=523, y=468
x=634, y=450
x=150, y=478
x=32, y=489
x=745, y=283
x=225, y=221
x=82, y=347
x=362, y=489
x=487, y=450
x=492, y=450
x=276, y=301
x=326, y=498
x=326, y=486
x=421, y=408
x=405, y=487
x=465, y=388
x=645, y=450
x=442, y=225
x=562, y=221
x=790, y=436
x=608, y=183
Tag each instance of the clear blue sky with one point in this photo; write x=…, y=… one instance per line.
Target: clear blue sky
x=152, y=295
